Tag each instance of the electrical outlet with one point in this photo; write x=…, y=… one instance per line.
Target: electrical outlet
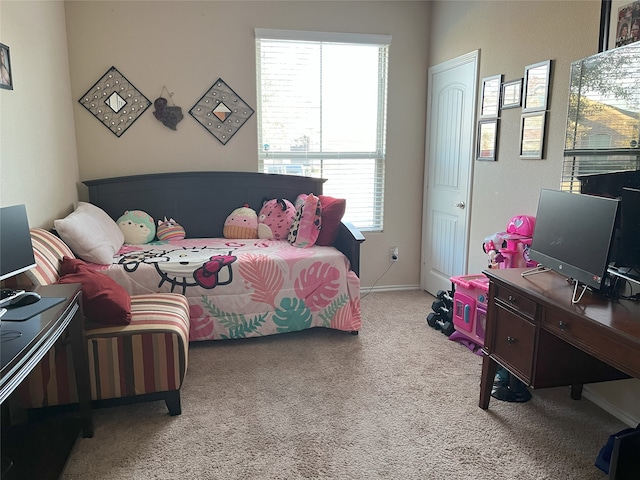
x=393, y=254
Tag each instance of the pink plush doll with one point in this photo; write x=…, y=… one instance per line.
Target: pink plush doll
x=275, y=218
x=491, y=247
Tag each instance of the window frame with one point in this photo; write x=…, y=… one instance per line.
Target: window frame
x=378, y=156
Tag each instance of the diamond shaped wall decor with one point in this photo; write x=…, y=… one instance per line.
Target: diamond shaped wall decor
x=221, y=111
x=115, y=102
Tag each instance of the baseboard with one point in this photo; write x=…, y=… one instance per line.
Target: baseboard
x=608, y=407
x=387, y=288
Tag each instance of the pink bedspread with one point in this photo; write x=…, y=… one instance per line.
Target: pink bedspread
x=246, y=288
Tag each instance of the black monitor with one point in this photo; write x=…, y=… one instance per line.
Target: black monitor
x=16, y=250
x=628, y=250
x=574, y=235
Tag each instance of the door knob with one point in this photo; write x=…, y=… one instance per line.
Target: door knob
x=459, y=205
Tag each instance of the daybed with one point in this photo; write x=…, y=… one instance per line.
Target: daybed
x=235, y=287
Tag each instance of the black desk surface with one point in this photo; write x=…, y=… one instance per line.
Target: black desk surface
x=18, y=339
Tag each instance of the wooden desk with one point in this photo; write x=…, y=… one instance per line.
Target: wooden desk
x=534, y=331
x=24, y=343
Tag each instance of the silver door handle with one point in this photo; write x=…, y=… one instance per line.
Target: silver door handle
x=459, y=205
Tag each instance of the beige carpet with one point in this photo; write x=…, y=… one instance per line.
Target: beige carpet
x=398, y=401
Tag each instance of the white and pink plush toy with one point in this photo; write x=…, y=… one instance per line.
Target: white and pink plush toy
x=275, y=218
x=241, y=223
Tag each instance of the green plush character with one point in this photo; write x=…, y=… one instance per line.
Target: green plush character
x=137, y=226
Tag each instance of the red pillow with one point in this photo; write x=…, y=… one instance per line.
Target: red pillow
x=103, y=299
x=332, y=212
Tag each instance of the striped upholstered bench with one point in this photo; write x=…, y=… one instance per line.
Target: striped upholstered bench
x=144, y=360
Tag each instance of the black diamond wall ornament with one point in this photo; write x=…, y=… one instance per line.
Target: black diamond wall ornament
x=221, y=111
x=115, y=102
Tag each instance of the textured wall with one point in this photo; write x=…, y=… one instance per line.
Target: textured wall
x=38, y=162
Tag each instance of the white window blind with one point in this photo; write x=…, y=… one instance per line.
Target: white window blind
x=322, y=102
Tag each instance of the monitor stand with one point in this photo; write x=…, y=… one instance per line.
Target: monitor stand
x=576, y=283
x=535, y=270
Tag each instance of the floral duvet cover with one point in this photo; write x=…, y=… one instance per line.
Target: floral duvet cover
x=245, y=288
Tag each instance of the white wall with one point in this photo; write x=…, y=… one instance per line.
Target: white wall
x=38, y=162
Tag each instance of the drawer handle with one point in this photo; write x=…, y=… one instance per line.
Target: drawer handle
x=513, y=299
x=562, y=325
x=511, y=340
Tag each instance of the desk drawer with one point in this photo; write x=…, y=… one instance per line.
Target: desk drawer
x=598, y=340
x=513, y=342
x=518, y=302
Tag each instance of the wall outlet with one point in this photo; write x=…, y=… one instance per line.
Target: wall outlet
x=393, y=254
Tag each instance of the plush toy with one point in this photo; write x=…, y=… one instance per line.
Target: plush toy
x=306, y=224
x=275, y=218
x=491, y=247
x=137, y=226
x=170, y=230
x=241, y=223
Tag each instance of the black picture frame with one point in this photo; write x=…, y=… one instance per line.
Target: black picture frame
x=6, y=75
x=490, y=96
x=536, y=85
x=487, y=141
x=532, y=135
x=619, y=23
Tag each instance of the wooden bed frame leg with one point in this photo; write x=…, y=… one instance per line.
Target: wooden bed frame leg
x=354, y=332
x=172, y=399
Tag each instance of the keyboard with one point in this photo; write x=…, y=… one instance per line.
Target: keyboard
x=8, y=294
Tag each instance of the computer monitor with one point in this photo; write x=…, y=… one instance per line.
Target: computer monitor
x=16, y=250
x=574, y=235
x=628, y=250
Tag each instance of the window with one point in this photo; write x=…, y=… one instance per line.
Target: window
x=322, y=102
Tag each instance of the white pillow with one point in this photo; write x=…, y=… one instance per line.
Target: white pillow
x=90, y=233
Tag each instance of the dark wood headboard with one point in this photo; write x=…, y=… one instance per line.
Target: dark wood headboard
x=201, y=201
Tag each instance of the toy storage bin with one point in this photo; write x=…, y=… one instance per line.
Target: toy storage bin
x=470, y=306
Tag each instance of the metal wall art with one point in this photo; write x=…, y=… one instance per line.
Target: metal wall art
x=169, y=115
x=221, y=111
x=115, y=102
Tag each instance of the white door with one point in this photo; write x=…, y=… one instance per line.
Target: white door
x=449, y=154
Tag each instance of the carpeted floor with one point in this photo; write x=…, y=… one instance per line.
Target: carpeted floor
x=398, y=401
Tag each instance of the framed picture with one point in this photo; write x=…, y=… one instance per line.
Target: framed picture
x=511, y=94
x=487, y=140
x=536, y=86
x=490, y=99
x=623, y=23
x=532, y=127
x=6, y=79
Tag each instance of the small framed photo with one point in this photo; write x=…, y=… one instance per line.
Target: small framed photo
x=511, y=94
x=536, y=86
x=487, y=140
x=532, y=126
x=490, y=99
x=6, y=79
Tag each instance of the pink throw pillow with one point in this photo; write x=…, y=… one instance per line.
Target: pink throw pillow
x=306, y=225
